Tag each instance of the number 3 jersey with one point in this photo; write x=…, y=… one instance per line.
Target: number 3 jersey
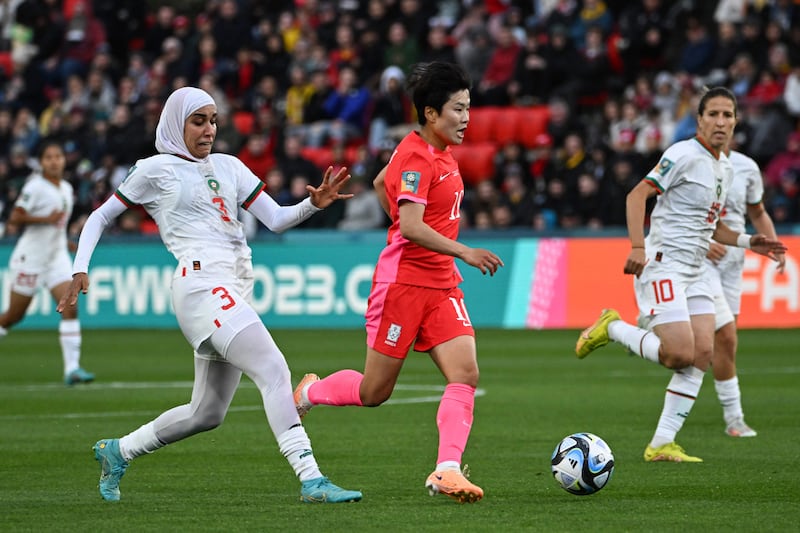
x=693, y=180
x=196, y=207
x=421, y=173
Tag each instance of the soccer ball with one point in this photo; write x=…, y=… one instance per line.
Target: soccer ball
x=582, y=463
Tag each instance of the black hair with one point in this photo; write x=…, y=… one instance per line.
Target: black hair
x=713, y=93
x=432, y=84
x=47, y=144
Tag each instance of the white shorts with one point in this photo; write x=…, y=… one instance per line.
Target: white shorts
x=667, y=292
x=26, y=279
x=208, y=304
x=722, y=310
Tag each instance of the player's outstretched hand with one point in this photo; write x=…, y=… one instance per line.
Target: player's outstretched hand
x=771, y=248
x=328, y=190
x=483, y=260
x=80, y=283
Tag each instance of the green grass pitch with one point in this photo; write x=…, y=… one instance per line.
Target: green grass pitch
x=534, y=392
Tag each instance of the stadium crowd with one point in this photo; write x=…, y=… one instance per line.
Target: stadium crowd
x=620, y=79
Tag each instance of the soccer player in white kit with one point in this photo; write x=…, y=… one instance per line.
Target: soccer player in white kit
x=675, y=299
x=193, y=195
x=726, y=265
x=41, y=255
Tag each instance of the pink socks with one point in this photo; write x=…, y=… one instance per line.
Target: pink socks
x=454, y=420
x=340, y=388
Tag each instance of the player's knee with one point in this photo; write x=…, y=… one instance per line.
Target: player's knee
x=374, y=398
x=676, y=359
x=208, y=419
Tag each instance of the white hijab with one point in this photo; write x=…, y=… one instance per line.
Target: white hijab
x=178, y=107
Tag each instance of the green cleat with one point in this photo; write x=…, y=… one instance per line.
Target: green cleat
x=595, y=335
x=78, y=375
x=112, y=467
x=321, y=490
x=669, y=452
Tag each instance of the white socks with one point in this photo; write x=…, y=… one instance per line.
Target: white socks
x=140, y=442
x=640, y=341
x=296, y=447
x=730, y=397
x=69, y=335
x=678, y=402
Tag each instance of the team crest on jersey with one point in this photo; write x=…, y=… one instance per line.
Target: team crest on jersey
x=410, y=179
x=393, y=334
x=663, y=166
x=213, y=185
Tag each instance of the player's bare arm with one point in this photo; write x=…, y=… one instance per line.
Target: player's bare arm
x=759, y=243
x=635, y=205
x=413, y=228
x=329, y=190
x=379, y=183
x=762, y=222
x=20, y=216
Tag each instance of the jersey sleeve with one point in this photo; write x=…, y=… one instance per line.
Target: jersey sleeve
x=667, y=171
x=138, y=187
x=755, y=184
x=411, y=175
x=28, y=196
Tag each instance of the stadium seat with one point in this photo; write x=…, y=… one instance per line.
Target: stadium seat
x=243, y=122
x=321, y=156
x=532, y=121
x=508, y=123
x=475, y=160
x=482, y=124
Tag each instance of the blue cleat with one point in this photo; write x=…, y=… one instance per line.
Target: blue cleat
x=78, y=375
x=321, y=490
x=112, y=468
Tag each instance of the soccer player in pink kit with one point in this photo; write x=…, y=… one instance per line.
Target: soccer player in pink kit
x=193, y=196
x=415, y=299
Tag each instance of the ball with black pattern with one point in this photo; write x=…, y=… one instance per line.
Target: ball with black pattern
x=582, y=463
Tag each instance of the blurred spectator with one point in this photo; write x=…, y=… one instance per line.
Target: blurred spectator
x=257, y=154
x=529, y=83
x=791, y=93
x=275, y=181
x=518, y=197
x=697, y=52
x=163, y=26
x=230, y=29
x=402, y=49
x=392, y=114
x=473, y=52
x=728, y=45
x=493, y=87
x=344, y=112
x=645, y=32
x=562, y=59
x=363, y=211
x=617, y=183
x=291, y=161
x=438, y=45
x=344, y=54
x=83, y=36
x=785, y=161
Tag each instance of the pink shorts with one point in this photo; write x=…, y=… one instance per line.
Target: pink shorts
x=401, y=315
